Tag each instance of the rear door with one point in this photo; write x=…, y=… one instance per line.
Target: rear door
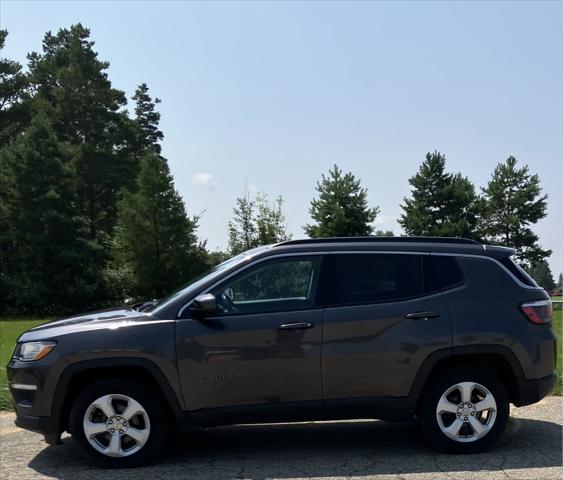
x=384, y=316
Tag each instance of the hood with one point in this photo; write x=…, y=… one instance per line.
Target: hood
x=105, y=319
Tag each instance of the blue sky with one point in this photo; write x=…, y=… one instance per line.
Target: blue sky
x=273, y=94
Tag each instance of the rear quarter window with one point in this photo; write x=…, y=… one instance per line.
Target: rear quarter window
x=518, y=272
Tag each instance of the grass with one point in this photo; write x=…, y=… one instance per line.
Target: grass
x=11, y=328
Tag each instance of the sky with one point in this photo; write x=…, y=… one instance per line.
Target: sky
x=269, y=95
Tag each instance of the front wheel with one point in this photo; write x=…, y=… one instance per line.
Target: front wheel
x=119, y=423
x=464, y=410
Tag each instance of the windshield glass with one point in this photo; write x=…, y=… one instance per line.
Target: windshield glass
x=192, y=287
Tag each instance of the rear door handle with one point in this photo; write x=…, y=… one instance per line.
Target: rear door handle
x=422, y=315
x=296, y=326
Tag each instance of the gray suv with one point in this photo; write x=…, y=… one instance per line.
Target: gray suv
x=442, y=330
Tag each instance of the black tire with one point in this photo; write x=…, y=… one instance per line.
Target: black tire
x=433, y=393
x=159, y=424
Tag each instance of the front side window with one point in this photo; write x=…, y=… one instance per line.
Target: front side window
x=374, y=278
x=277, y=285
x=195, y=285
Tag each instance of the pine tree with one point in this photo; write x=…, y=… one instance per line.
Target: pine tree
x=242, y=228
x=147, y=118
x=512, y=201
x=14, y=116
x=341, y=210
x=270, y=220
x=47, y=259
x=155, y=243
x=256, y=222
x=71, y=87
x=541, y=273
x=441, y=203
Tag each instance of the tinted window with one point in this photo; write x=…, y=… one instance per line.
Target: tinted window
x=196, y=284
x=446, y=271
x=278, y=285
x=518, y=272
x=374, y=278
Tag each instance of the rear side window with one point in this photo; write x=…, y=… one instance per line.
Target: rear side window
x=372, y=278
x=518, y=272
x=446, y=271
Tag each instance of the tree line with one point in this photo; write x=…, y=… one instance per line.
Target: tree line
x=90, y=216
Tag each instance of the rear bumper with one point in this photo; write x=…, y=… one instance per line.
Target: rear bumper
x=532, y=391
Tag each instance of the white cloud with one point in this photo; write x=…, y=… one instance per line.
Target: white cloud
x=204, y=180
x=382, y=219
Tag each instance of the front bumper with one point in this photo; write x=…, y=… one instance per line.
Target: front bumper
x=48, y=426
x=32, y=388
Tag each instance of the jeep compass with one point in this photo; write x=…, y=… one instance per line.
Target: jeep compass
x=446, y=331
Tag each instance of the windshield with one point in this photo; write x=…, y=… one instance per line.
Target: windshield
x=193, y=286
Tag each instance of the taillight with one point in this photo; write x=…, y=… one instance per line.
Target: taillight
x=538, y=312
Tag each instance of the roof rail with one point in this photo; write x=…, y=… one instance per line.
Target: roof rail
x=380, y=239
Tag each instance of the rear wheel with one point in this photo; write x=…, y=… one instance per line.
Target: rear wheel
x=119, y=423
x=464, y=411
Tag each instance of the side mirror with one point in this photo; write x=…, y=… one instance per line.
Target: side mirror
x=204, y=305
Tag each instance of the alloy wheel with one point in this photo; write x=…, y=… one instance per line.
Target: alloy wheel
x=116, y=425
x=466, y=412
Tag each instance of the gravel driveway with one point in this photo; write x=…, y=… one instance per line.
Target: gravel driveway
x=531, y=448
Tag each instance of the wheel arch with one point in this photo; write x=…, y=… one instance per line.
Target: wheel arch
x=81, y=374
x=497, y=359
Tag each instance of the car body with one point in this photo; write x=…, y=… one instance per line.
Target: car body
x=337, y=328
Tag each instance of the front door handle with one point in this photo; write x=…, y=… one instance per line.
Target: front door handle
x=422, y=315
x=296, y=326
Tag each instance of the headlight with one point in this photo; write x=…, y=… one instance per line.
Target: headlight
x=28, y=351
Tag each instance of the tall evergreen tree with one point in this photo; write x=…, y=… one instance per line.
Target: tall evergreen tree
x=155, y=243
x=256, y=222
x=441, y=203
x=541, y=273
x=147, y=119
x=270, y=220
x=512, y=202
x=13, y=84
x=45, y=266
x=242, y=228
x=71, y=87
x=341, y=210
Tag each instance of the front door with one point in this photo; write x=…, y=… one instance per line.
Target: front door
x=263, y=348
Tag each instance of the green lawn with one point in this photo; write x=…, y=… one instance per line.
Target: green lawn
x=10, y=329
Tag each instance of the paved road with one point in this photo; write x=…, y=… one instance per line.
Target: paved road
x=530, y=449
